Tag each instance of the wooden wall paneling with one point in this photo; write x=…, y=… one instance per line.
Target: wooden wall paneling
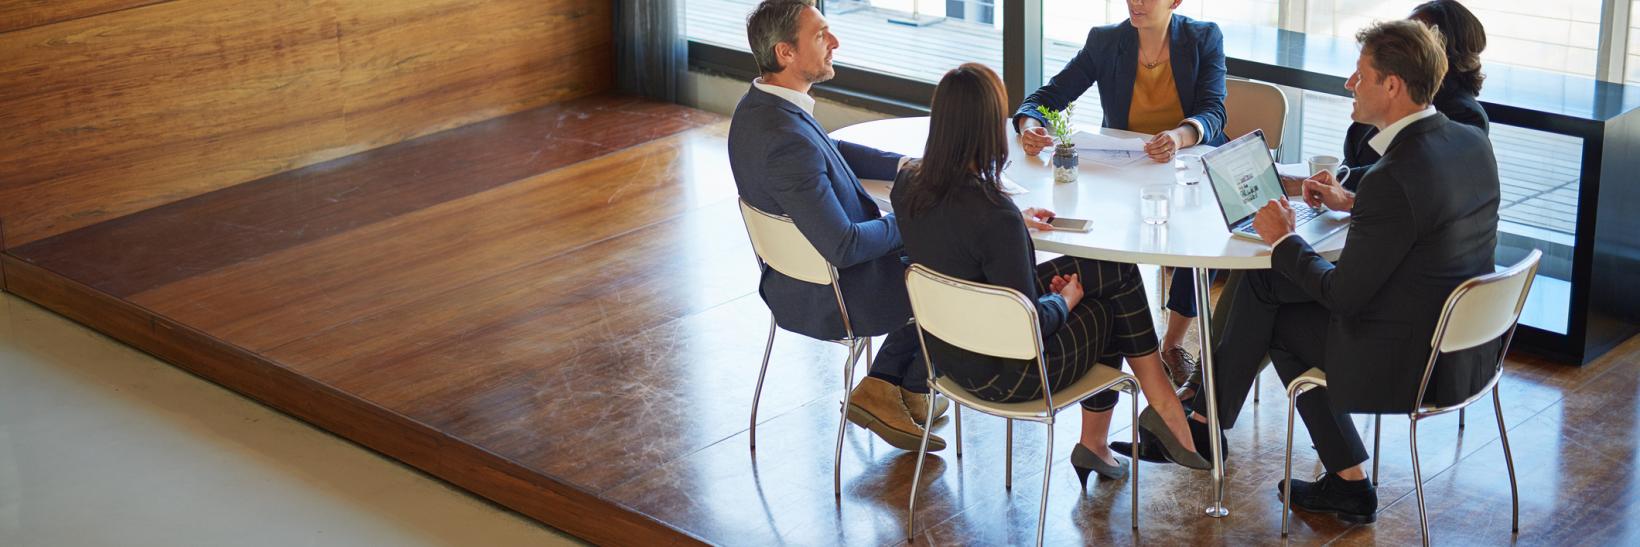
x=132, y=109
x=414, y=67
x=574, y=511
x=138, y=108
x=22, y=14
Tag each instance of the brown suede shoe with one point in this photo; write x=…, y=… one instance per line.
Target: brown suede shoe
x=876, y=405
x=1181, y=366
x=917, y=404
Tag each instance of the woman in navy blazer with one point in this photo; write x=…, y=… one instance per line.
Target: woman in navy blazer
x=1112, y=59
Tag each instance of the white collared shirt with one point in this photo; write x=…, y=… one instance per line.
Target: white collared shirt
x=1381, y=141
x=802, y=100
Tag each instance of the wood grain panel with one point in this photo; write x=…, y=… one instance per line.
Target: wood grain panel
x=407, y=73
x=188, y=238
x=22, y=14
x=146, y=106
x=473, y=468
x=137, y=108
x=267, y=302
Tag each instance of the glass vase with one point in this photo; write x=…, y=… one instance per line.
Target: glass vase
x=1065, y=162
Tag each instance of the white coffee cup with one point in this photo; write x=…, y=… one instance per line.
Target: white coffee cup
x=1330, y=164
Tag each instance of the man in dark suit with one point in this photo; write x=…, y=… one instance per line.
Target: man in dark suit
x=784, y=163
x=1424, y=221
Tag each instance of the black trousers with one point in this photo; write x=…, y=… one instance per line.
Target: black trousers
x=1269, y=314
x=1111, y=322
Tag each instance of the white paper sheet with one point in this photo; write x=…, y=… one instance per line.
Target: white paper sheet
x=1012, y=188
x=1085, y=141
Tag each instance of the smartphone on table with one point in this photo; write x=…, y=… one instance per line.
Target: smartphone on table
x=1071, y=224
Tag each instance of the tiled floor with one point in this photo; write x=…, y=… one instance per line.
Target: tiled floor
x=103, y=445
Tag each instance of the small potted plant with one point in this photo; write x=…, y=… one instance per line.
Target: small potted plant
x=1065, y=160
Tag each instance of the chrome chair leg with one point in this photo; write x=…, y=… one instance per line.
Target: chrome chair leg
x=1509, y=460
x=1008, y=473
x=1047, y=468
x=916, y=478
x=1377, y=437
x=854, y=348
x=958, y=412
x=1418, y=483
x=1287, y=473
x=1133, y=430
x=1256, y=383
x=758, y=394
x=1461, y=413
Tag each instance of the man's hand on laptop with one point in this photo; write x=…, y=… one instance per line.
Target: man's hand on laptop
x=1274, y=221
x=1323, y=189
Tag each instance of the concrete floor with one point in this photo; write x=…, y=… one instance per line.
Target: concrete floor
x=103, y=445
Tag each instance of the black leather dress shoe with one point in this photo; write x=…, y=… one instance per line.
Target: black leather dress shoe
x=1351, y=501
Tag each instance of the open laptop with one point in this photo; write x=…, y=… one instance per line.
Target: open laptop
x=1244, y=178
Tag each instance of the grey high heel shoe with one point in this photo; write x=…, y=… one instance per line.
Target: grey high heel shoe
x=1151, y=421
x=1084, y=461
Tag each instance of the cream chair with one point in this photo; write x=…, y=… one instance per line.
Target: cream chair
x=1478, y=311
x=999, y=322
x=1250, y=105
x=781, y=246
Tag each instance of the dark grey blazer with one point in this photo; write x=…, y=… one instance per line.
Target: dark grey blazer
x=1425, y=220
x=784, y=163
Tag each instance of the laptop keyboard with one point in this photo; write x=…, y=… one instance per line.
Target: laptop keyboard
x=1300, y=216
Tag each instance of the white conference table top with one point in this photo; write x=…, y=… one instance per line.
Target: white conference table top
x=1193, y=237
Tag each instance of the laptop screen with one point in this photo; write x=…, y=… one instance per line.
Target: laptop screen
x=1243, y=176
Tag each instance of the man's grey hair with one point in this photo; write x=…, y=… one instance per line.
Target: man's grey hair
x=773, y=22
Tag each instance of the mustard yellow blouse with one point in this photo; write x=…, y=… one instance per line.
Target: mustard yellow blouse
x=1155, y=106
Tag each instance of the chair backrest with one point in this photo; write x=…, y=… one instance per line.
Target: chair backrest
x=779, y=244
x=1481, y=310
x=984, y=319
x=1250, y=105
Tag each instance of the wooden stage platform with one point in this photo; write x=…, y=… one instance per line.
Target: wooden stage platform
x=556, y=310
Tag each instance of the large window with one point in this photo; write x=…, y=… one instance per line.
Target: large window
x=914, y=39
x=917, y=39
x=1561, y=36
x=1634, y=44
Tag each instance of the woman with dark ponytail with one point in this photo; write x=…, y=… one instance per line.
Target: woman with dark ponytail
x=1465, y=38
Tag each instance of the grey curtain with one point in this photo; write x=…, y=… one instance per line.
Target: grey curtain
x=651, y=49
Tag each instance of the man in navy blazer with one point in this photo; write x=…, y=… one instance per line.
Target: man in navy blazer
x=784, y=163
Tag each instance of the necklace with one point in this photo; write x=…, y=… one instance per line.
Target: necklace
x=1157, y=58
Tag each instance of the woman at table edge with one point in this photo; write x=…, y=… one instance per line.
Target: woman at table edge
x=1158, y=73
x=955, y=219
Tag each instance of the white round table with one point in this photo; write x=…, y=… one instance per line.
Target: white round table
x=1194, y=235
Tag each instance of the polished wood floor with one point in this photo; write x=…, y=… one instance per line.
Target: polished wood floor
x=557, y=310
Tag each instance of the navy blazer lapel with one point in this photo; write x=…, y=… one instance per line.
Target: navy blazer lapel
x=1183, y=56
x=1124, y=73
x=820, y=132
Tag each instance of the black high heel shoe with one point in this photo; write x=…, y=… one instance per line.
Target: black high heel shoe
x=1084, y=461
x=1151, y=421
